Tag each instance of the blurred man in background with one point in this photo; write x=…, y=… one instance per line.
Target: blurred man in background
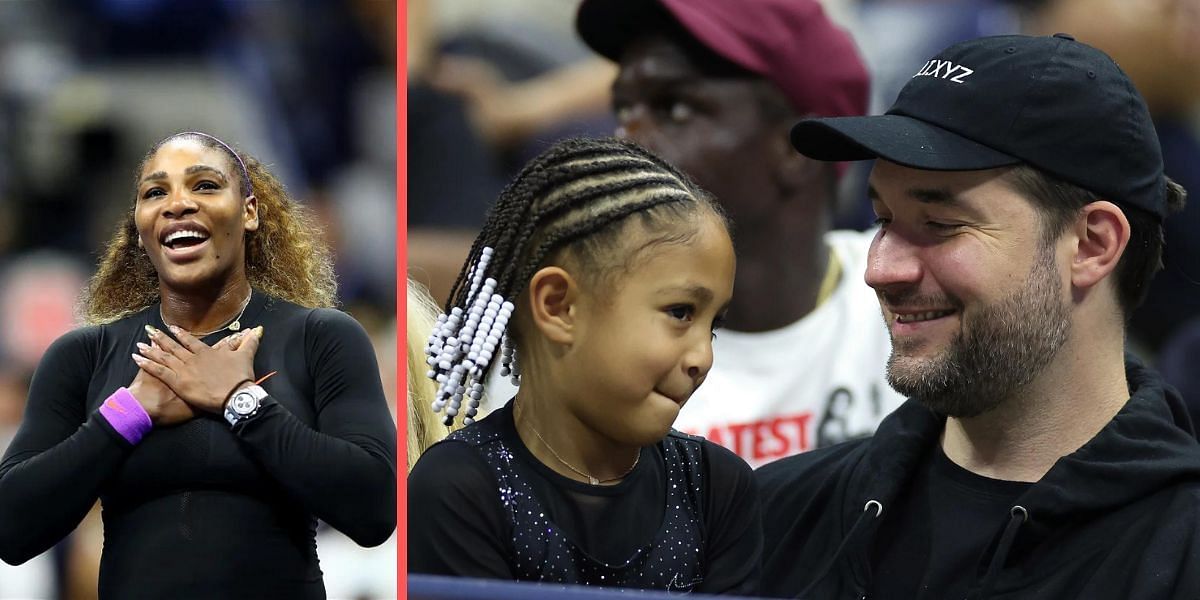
x=712, y=87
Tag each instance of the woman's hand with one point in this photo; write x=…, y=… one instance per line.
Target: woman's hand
x=202, y=376
x=159, y=401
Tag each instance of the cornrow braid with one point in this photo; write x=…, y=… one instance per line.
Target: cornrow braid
x=573, y=197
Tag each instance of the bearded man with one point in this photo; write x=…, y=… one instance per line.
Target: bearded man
x=1020, y=194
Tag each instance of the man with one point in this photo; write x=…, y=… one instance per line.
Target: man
x=1020, y=192
x=712, y=86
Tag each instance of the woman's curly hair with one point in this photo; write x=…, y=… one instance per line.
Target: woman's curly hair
x=286, y=258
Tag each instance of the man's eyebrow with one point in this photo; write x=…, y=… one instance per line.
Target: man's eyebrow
x=649, y=86
x=925, y=195
x=932, y=195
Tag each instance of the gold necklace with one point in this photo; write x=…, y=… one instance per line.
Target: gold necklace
x=233, y=325
x=592, y=480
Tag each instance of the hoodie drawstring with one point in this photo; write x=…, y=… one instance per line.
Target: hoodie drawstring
x=1019, y=516
x=855, y=529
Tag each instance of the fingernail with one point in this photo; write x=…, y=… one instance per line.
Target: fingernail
x=173, y=328
x=143, y=347
x=151, y=330
x=138, y=358
x=259, y=330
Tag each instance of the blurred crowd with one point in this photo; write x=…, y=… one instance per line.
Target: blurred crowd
x=491, y=84
x=87, y=86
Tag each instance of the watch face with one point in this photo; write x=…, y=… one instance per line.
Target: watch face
x=243, y=403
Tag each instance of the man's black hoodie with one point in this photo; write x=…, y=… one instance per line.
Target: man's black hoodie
x=1117, y=518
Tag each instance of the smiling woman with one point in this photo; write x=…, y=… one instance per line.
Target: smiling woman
x=195, y=455
x=282, y=257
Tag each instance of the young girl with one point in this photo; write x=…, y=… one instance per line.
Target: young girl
x=602, y=271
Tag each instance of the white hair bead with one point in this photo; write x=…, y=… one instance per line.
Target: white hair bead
x=464, y=341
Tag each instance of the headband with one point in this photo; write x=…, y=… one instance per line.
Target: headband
x=246, y=187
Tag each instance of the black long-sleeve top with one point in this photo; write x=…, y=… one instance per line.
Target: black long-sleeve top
x=203, y=510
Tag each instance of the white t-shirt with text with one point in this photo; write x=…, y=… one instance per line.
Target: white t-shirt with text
x=814, y=383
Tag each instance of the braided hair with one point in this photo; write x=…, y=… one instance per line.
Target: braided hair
x=572, y=199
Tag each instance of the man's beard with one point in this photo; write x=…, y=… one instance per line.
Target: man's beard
x=999, y=349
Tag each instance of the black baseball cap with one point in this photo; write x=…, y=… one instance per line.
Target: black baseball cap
x=1051, y=102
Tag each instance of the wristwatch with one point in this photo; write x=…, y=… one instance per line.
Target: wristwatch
x=244, y=404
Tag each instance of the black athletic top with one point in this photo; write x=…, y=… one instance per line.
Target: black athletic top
x=202, y=510
x=685, y=519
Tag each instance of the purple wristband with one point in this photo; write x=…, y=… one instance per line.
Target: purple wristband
x=126, y=415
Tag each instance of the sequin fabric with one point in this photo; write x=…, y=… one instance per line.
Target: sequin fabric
x=672, y=561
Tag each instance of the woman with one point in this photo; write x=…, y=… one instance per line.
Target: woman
x=424, y=426
x=213, y=405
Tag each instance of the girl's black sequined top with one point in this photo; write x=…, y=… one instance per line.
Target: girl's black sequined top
x=685, y=519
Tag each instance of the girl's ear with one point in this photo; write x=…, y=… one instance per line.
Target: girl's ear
x=553, y=300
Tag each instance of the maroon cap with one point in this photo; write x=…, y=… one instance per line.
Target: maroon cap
x=791, y=43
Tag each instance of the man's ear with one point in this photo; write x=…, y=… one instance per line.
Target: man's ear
x=794, y=171
x=1101, y=232
x=553, y=304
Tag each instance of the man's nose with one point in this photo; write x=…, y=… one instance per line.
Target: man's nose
x=634, y=123
x=893, y=262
